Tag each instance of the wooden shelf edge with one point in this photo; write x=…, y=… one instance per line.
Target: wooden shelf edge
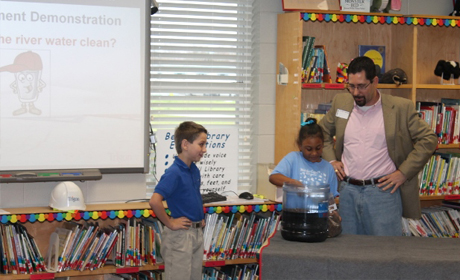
x=391, y=86
x=437, y=86
x=374, y=14
x=432, y=197
x=115, y=207
x=89, y=208
x=334, y=86
x=347, y=13
x=384, y=86
x=241, y=261
x=448, y=146
x=108, y=269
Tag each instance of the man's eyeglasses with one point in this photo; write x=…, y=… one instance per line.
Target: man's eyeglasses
x=361, y=88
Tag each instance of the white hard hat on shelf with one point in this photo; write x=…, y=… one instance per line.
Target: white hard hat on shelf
x=67, y=196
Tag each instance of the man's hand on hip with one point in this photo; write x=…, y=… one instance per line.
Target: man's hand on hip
x=393, y=180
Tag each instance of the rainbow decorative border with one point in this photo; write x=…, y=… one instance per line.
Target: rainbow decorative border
x=78, y=215
x=377, y=19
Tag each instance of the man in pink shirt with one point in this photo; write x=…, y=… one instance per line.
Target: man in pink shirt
x=380, y=146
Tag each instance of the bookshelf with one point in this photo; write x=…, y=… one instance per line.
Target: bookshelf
x=414, y=43
x=42, y=221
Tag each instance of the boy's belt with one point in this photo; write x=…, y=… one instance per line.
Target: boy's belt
x=196, y=224
x=361, y=182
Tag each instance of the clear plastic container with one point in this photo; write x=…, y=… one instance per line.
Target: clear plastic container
x=305, y=213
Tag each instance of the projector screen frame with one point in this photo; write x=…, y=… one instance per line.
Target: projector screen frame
x=145, y=65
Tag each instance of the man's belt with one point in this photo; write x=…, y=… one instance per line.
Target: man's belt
x=361, y=182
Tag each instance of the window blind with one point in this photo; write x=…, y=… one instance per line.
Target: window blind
x=201, y=71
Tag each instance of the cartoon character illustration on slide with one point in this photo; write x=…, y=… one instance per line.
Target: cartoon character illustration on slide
x=27, y=68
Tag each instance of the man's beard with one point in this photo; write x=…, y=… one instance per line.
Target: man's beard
x=360, y=101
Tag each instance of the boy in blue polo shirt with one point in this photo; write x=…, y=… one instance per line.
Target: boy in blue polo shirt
x=182, y=243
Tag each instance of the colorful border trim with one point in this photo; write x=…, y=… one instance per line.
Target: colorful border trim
x=377, y=19
x=244, y=208
x=78, y=215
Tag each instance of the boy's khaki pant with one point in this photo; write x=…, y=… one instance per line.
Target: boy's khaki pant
x=182, y=251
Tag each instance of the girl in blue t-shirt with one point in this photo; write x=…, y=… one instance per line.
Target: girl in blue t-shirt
x=306, y=167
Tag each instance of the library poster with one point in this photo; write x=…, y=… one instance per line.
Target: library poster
x=218, y=167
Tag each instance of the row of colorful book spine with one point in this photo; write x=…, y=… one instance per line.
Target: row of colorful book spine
x=87, y=246
x=236, y=272
x=83, y=246
x=441, y=175
x=139, y=242
x=436, y=221
x=140, y=275
x=233, y=272
x=19, y=252
x=443, y=118
x=133, y=242
x=228, y=237
x=314, y=62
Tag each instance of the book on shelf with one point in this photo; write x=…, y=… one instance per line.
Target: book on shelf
x=19, y=253
x=316, y=71
x=242, y=271
x=429, y=111
x=326, y=71
x=307, y=55
x=432, y=174
x=376, y=53
x=310, y=71
x=444, y=221
x=89, y=247
x=405, y=227
x=453, y=104
x=454, y=215
x=325, y=106
x=443, y=118
x=416, y=228
x=449, y=222
x=3, y=264
x=315, y=68
x=424, y=176
x=236, y=236
x=448, y=133
x=317, y=113
x=441, y=174
x=430, y=228
x=434, y=223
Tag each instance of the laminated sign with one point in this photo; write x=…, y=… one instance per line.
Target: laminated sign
x=218, y=167
x=300, y=5
x=355, y=5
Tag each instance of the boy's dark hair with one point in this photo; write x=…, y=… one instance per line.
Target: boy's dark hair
x=361, y=63
x=188, y=131
x=310, y=128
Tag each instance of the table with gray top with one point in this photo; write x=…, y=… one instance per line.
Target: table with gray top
x=362, y=257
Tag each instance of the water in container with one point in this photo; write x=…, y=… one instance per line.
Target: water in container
x=305, y=212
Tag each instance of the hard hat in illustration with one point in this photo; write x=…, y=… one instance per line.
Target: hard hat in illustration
x=67, y=196
x=24, y=61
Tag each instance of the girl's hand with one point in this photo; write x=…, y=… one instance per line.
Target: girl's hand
x=179, y=223
x=295, y=182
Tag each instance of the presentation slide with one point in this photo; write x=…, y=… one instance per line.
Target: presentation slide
x=74, y=84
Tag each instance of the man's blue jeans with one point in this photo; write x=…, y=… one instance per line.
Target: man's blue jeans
x=369, y=210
